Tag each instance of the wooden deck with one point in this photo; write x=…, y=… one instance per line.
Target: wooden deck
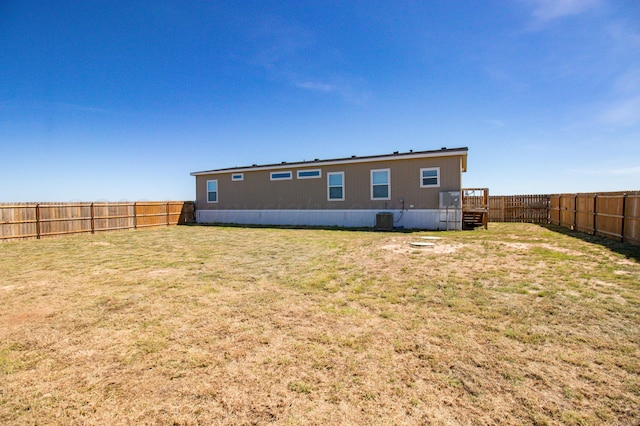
x=475, y=208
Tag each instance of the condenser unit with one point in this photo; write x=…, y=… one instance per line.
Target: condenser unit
x=384, y=222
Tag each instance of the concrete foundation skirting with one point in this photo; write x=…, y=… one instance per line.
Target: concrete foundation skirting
x=431, y=219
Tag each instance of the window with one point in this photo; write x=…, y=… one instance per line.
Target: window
x=212, y=191
x=335, y=186
x=430, y=177
x=380, y=184
x=281, y=175
x=237, y=176
x=309, y=174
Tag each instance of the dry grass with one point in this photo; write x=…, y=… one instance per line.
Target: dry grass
x=213, y=325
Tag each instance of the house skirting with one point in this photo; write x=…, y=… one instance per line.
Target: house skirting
x=431, y=219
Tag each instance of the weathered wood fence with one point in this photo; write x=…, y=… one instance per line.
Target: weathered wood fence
x=36, y=220
x=610, y=214
x=519, y=208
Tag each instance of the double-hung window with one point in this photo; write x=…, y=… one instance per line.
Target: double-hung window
x=381, y=184
x=430, y=178
x=335, y=186
x=212, y=191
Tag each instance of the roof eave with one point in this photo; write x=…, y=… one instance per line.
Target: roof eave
x=447, y=152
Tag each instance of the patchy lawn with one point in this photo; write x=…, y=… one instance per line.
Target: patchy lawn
x=219, y=325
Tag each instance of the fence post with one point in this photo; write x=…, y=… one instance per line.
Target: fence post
x=167, y=213
x=624, y=214
x=38, y=220
x=595, y=213
x=93, y=224
x=548, y=205
x=575, y=211
x=135, y=212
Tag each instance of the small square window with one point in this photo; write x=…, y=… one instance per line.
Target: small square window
x=430, y=178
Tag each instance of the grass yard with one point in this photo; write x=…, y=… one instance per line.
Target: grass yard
x=220, y=325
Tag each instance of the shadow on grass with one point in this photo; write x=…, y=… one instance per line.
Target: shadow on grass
x=628, y=250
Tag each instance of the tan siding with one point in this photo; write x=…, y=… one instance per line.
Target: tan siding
x=257, y=191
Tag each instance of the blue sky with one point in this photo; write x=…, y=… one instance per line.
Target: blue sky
x=120, y=100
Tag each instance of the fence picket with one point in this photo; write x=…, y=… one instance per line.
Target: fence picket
x=28, y=220
x=609, y=214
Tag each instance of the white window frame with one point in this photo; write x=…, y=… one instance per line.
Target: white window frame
x=237, y=177
x=388, y=197
x=437, y=169
x=281, y=178
x=329, y=174
x=216, y=191
x=309, y=177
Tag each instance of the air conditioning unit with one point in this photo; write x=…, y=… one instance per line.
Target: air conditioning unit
x=450, y=199
x=384, y=222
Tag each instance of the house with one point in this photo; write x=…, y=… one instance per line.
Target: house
x=419, y=190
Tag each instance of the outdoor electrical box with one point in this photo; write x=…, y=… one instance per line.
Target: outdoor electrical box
x=450, y=200
x=384, y=222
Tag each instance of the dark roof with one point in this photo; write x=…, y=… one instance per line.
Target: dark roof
x=395, y=155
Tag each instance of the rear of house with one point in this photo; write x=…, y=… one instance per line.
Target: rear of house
x=421, y=190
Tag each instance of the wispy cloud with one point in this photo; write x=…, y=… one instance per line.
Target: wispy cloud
x=278, y=43
x=626, y=171
x=495, y=124
x=52, y=106
x=549, y=10
x=315, y=86
x=625, y=112
x=291, y=54
x=611, y=171
x=350, y=90
x=628, y=82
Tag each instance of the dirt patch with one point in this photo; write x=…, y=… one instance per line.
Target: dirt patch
x=160, y=272
x=439, y=247
x=9, y=287
x=529, y=246
x=562, y=250
x=34, y=316
x=517, y=246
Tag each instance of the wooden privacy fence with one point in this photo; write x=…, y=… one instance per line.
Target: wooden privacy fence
x=35, y=220
x=608, y=214
x=519, y=208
